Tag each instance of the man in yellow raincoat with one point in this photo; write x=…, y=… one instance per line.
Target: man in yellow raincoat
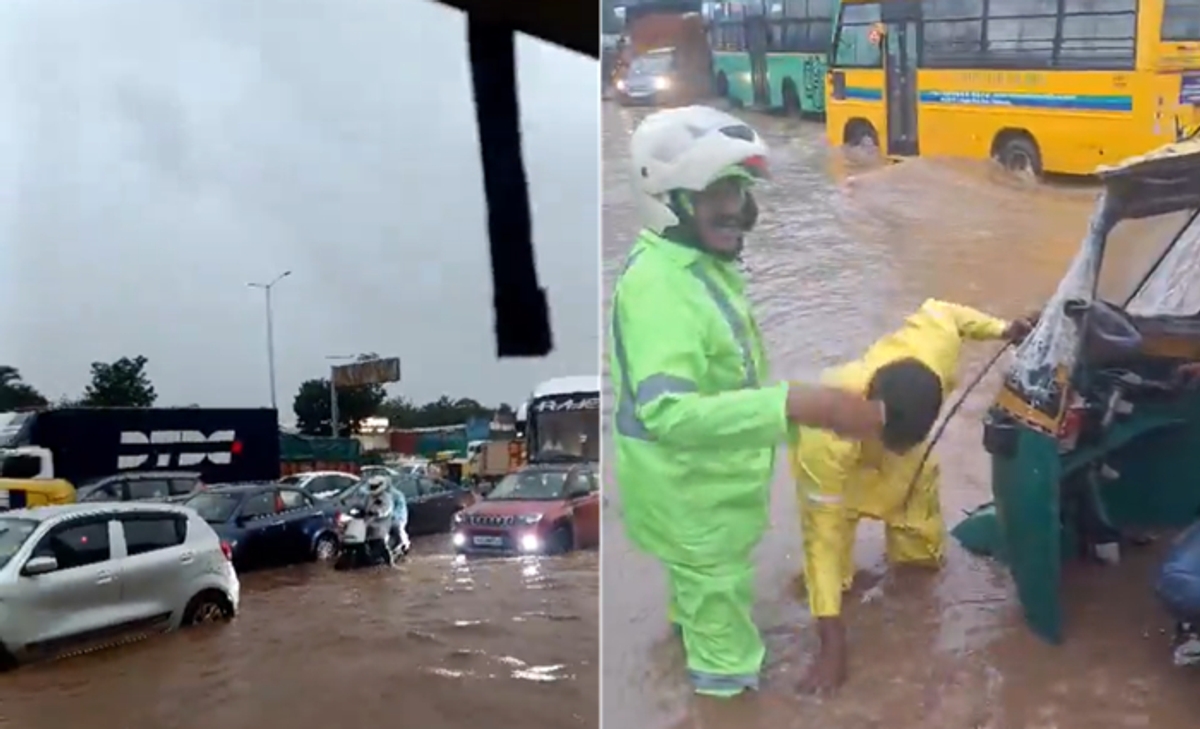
x=838, y=481
x=696, y=420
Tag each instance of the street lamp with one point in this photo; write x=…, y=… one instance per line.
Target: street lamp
x=266, y=288
x=333, y=406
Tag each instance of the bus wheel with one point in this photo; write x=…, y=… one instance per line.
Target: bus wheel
x=1019, y=154
x=791, y=98
x=859, y=133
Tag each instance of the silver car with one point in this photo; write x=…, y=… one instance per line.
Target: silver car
x=82, y=576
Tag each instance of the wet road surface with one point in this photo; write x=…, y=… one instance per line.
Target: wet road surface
x=844, y=249
x=440, y=642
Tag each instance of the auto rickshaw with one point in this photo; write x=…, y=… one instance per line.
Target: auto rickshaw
x=22, y=487
x=1093, y=442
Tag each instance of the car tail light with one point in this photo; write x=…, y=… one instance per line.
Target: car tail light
x=227, y=550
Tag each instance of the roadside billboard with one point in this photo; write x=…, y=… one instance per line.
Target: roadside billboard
x=369, y=372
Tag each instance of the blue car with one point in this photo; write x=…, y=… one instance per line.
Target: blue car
x=268, y=524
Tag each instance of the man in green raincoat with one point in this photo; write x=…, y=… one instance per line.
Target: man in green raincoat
x=696, y=420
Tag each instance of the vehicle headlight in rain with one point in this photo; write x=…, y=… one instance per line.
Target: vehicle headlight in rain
x=530, y=543
x=459, y=539
x=529, y=519
x=458, y=517
x=661, y=83
x=620, y=84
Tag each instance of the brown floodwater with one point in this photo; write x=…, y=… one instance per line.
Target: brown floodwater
x=844, y=249
x=440, y=642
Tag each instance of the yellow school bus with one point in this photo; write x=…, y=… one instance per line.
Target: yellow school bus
x=1057, y=86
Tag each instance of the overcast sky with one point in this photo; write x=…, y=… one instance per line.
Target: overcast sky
x=157, y=155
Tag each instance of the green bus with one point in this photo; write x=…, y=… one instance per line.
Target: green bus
x=774, y=57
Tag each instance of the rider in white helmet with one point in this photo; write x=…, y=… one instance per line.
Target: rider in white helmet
x=697, y=419
x=380, y=512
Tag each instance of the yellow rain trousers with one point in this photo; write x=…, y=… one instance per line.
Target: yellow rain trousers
x=695, y=432
x=838, y=482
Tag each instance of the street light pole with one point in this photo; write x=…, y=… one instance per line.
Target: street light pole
x=266, y=288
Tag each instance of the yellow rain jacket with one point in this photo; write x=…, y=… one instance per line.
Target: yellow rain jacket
x=840, y=481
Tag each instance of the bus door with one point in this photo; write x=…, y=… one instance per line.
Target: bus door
x=901, y=21
x=758, y=40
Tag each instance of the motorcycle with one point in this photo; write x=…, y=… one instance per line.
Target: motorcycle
x=358, y=551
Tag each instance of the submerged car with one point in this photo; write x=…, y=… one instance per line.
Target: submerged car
x=266, y=524
x=83, y=576
x=321, y=484
x=1092, y=437
x=542, y=509
x=142, y=486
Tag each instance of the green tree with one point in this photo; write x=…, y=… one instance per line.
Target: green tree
x=402, y=413
x=15, y=393
x=122, y=383
x=355, y=404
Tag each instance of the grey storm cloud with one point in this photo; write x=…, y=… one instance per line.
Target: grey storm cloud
x=158, y=155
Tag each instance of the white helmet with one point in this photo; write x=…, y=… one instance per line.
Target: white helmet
x=689, y=148
x=378, y=485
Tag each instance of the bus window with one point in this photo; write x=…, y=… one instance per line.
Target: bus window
x=1181, y=20
x=953, y=34
x=1020, y=33
x=1098, y=34
x=803, y=36
x=729, y=36
x=854, y=46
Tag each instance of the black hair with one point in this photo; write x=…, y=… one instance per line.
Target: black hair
x=911, y=393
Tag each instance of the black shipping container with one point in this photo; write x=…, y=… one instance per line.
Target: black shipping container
x=223, y=445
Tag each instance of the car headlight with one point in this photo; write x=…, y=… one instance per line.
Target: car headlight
x=620, y=84
x=529, y=519
x=530, y=543
x=458, y=517
x=662, y=83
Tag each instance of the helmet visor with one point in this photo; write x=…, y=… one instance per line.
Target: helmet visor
x=748, y=171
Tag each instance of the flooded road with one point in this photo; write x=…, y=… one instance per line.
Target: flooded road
x=439, y=642
x=843, y=251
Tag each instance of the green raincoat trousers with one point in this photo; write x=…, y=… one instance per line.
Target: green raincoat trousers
x=696, y=431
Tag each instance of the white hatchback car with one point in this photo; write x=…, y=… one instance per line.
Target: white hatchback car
x=79, y=577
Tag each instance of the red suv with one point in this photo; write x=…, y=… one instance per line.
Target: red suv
x=541, y=509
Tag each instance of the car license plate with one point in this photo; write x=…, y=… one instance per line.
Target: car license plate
x=488, y=541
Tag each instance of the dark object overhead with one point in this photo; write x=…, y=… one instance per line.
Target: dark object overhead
x=522, y=314
x=572, y=25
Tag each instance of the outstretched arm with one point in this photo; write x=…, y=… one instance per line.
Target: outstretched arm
x=971, y=323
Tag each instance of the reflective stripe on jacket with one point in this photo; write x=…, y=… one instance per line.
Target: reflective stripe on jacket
x=696, y=425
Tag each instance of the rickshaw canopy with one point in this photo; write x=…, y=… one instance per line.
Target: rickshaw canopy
x=1161, y=182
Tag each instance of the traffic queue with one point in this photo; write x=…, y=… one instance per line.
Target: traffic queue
x=172, y=504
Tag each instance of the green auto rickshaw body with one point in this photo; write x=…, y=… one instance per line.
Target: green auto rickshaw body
x=1089, y=436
